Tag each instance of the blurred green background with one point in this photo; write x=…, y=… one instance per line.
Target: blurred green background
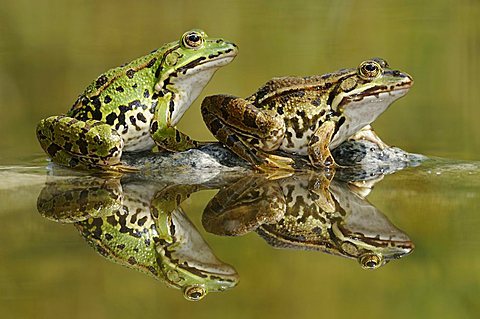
x=51, y=49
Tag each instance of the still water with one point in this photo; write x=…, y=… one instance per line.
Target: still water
x=50, y=50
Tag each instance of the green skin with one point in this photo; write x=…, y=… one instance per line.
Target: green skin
x=307, y=116
x=136, y=106
x=139, y=227
x=309, y=212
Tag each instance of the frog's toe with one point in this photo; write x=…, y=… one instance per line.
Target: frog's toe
x=272, y=162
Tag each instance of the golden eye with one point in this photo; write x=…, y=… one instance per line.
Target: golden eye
x=370, y=261
x=194, y=293
x=369, y=69
x=192, y=39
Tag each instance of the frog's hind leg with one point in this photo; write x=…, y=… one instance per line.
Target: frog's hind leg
x=80, y=144
x=250, y=133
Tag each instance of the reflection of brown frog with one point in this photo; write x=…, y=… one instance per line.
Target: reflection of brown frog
x=140, y=225
x=308, y=211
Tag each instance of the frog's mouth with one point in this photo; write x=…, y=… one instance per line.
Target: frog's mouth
x=213, y=61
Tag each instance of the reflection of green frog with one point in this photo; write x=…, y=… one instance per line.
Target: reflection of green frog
x=305, y=115
x=137, y=105
x=307, y=211
x=139, y=226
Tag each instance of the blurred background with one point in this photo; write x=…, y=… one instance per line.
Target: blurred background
x=50, y=50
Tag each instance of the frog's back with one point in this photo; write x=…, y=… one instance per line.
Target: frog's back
x=280, y=86
x=119, y=90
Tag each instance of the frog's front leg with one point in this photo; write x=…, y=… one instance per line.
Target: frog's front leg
x=80, y=144
x=318, y=147
x=163, y=131
x=250, y=132
x=367, y=133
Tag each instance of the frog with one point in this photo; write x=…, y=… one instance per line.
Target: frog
x=305, y=116
x=309, y=210
x=139, y=223
x=135, y=107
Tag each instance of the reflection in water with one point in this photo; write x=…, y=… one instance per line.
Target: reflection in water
x=140, y=225
x=310, y=212
x=138, y=222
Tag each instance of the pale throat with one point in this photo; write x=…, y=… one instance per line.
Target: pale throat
x=361, y=113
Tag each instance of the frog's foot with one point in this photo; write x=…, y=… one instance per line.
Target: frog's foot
x=318, y=149
x=172, y=140
x=368, y=134
x=274, y=162
x=320, y=185
x=80, y=144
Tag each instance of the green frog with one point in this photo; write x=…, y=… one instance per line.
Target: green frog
x=138, y=223
x=306, y=116
x=136, y=106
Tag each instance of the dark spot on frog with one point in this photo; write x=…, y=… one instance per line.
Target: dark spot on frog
x=113, y=150
x=154, y=127
x=107, y=99
x=134, y=86
x=73, y=162
x=95, y=228
x=231, y=139
x=249, y=119
x=83, y=146
x=110, y=119
x=108, y=236
x=112, y=220
x=301, y=113
x=157, y=72
x=121, y=246
x=119, y=89
x=153, y=270
x=124, y=109
x=130, y=73
x=214, y=126
x=142, y=221
x=153, y=106
x=171, y=106
x=316, y=102
x=146, y=94
x=68, y=146
x=280, y=110
x=101, y=81
x=102, y=251
x=133, y=120
x=141, y=117
x=151, y=63
x=314, y=139
x=135, y=249
x=177, y=136
x=134, y=104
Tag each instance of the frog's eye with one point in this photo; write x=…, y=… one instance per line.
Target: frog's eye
x=194, y=293
x=192, y=39
x=371, y=261
x=369, y=69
